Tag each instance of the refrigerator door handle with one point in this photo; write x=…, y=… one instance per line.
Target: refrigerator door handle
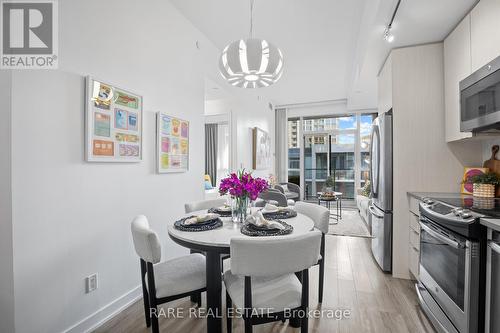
x=372, y=210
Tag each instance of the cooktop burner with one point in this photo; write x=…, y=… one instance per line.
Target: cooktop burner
x=489, y=207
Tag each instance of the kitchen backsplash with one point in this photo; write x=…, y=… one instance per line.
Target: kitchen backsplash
x=486, y=147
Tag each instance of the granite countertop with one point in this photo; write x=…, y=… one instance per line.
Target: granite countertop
x=437, y=195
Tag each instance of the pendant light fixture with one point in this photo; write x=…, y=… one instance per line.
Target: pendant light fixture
x=251, y=63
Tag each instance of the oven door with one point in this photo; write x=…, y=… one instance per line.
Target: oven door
x=445, y=271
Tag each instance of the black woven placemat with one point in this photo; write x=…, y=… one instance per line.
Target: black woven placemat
x=252, y=230
x=223, y=213
x=201, y=226
x=281, y=214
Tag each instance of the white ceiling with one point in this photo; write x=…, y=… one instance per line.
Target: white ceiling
x=333, y=49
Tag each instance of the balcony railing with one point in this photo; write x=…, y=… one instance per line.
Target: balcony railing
x=322, y=174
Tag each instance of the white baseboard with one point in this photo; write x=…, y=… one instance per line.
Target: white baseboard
x=107, y=312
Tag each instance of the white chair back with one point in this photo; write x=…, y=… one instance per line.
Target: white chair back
x=319, y=214
x=274, y=256
x=205, y=204
x=146, y=241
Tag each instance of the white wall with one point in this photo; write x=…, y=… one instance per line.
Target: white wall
x=6, y=259
x=486, y=148
x=72, y=218
x=246, y=113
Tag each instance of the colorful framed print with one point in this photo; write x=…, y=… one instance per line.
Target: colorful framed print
x=172, y=141
x=467, y=188
x=113, y=123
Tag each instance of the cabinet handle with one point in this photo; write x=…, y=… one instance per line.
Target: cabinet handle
x=494, y=246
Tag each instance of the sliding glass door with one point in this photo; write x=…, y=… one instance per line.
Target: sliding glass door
x=342, y=163
x=315, y=162
x=329, y=150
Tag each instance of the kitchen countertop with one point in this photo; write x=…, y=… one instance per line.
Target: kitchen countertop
x=488, y=222
x=437, y=195
x=491, y=223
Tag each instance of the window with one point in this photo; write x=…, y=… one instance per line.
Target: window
x=293, y=151
x=335, y=148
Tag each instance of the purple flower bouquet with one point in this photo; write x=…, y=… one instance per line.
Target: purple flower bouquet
x=243, y=188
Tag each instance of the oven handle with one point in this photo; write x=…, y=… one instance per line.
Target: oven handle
x=441, y=237
x=494, y=246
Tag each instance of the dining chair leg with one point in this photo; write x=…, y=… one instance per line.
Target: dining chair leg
x=304, y=324
x=145, y=294
x=229, y=305
x=145, y=297
x=248, y=326
x=321, y=280
x=154, y=320
x=196, y=298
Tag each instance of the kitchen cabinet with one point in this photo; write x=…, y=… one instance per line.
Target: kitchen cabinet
x=457, y=66
x=484, y=32
x=414, y=244
x=471, y=45
x=492, y=306
x=412, y=83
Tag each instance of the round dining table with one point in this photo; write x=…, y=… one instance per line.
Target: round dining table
x=216, y=242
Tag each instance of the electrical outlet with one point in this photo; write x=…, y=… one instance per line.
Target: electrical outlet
x=91, y=283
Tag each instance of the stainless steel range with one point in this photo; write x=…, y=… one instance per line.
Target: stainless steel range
x=451, y=265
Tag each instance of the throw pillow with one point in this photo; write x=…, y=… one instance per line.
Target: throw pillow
x=366, y=189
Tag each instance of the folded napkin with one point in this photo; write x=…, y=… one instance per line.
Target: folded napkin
x=224, y=208
x=270, y=208
x=201, y=218
x=258, y=220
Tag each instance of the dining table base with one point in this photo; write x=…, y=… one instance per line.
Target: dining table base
x=214, y=291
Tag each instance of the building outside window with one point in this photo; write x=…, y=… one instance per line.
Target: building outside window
x=335, y=147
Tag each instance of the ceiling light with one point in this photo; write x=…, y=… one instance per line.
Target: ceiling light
x=251, y=63
x=388, y=36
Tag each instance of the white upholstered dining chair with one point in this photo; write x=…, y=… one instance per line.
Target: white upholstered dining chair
x=165, y=281
x=204, y=204
x=263, y=276
x=321, y=218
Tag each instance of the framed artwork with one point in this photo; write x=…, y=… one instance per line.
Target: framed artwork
x=172, y=142
x=261, y=152
x=467, y=188
x=113, y=123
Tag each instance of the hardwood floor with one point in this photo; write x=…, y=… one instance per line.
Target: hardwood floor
x=376, y=301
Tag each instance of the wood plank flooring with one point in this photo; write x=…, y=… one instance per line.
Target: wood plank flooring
x=376, y=301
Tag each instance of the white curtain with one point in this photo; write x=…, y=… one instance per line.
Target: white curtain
x=281, y=149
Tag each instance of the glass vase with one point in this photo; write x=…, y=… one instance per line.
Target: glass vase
x=240, y=209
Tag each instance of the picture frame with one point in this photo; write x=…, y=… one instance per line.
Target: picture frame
x=467, y=188
x=113, y=123
x=172, y=144
x=261, y=150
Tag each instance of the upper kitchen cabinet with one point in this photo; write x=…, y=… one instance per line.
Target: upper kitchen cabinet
x=385, y=87
x=485, y=36
x=457, y=66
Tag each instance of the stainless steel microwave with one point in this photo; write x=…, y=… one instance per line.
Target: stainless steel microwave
x=480, y=99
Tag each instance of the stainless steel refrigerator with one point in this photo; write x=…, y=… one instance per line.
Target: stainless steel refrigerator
x=381, y=190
